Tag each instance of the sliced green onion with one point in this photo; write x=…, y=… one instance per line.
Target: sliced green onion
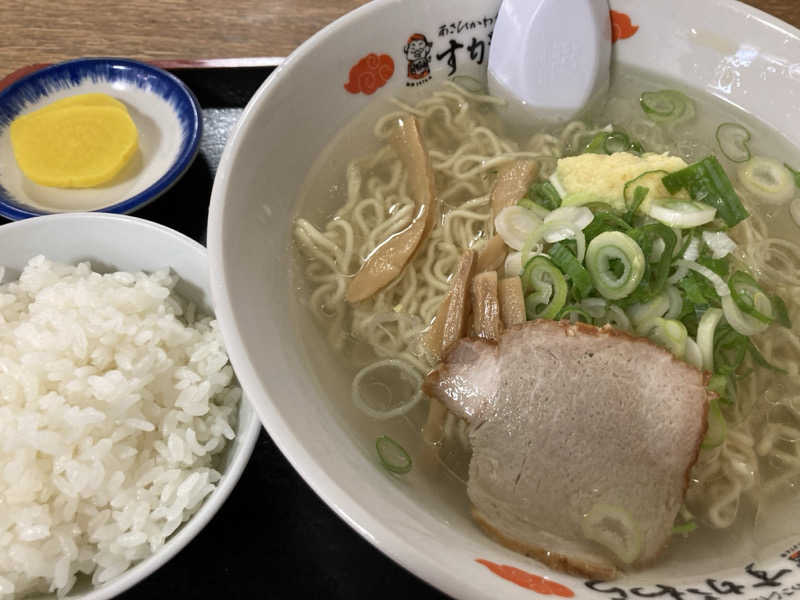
x=556, y=183
x=767, y=179
x=617, y=317
x=780, y=312
x=719, y=284
x=604, y=221
x=616, y=141
x=388, y=409
x=581, y=198
x=615, y=246
x=717, y=428
x=598, y=206
x=699, y=294
x=730, y=349
x=746, y=293
x=636, y=148
x=648, y=179
x=794, y=210
x=596, y=307
x=669, y=333
x=794, y=173
x=684, y=528
x=559, y=227
x=597, y=145
x=707, y=182
x=392, y=455
x=705, y=336
x=675, y=303
x=680, y=213
x=545, y=194
x=657, y=250
x=539, y=297
x=569, y=265
x=719, y=243
x=679, y=274
x=513, y=264
x=639, y=194
x=515, y=225
x=540, y=211
x=692, y=251
x=679, y=242
x=646, y=236
x=667, y=106
x=609, y=142
x=718, y=265
x=683, y=244
x=759, y=359
x=544, y=285
x=580, y=216
x=741, y=322
x=732, y=139
x=728, y=393
x=641, y=313
x=693, y=356
x=572, y=309
x=718, y=384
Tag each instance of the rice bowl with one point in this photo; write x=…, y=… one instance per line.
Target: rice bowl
x=133, y=394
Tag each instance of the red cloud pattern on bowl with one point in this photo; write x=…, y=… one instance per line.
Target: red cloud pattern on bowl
x=370, y=73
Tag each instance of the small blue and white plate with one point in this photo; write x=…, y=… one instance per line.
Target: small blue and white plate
x=166, y=114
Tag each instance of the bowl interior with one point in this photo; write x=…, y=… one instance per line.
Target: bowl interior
x=112, y=243
x=167, y=119
x=296, y=125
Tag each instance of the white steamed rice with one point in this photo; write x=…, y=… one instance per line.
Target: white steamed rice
x=114, y=402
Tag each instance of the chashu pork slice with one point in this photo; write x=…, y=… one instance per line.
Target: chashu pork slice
x=582, y=441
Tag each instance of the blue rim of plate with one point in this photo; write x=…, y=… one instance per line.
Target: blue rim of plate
x=67, y=74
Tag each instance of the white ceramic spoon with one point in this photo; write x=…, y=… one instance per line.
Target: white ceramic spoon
x=549, y=58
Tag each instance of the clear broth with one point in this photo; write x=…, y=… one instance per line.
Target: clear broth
x=441, y=473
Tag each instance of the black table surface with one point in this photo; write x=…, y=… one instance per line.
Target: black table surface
x=273, y=537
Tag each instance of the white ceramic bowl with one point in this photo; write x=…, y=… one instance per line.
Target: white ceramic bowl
x=118, y=242
x=719, y=47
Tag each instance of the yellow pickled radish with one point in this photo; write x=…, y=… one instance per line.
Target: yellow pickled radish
x=93, y=99
x=78, y=145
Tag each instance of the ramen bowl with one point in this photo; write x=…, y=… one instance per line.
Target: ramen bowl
x=737, y=57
